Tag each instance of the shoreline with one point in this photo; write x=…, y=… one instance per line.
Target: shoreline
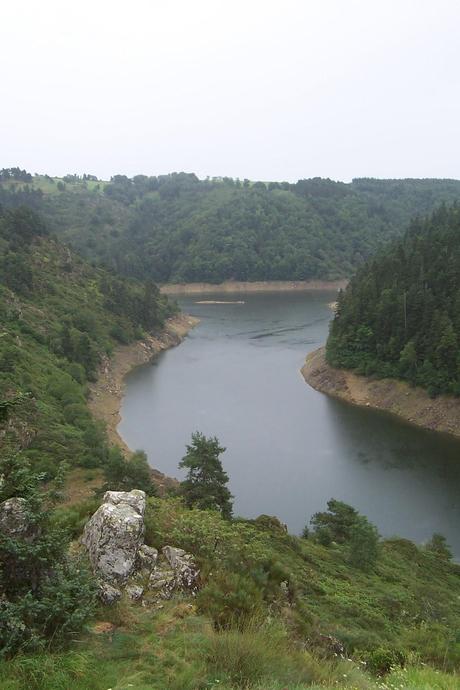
x=107, y=392
x=235, y=286
x=413, y=405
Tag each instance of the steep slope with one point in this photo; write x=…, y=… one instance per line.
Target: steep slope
x=275, y=612
x=176, y=228
x=58, y=318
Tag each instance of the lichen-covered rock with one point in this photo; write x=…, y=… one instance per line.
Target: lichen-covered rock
x=108, y=594
x=179, y=573
x=186, y=573
x=14, y=520
x=114, y=534
x=134, y=498
x=114, y=538
x=134, y=592
x=147, y=558
x=162, y=582
x=174, y=556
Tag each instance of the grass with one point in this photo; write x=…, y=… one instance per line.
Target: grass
x=175, y=650
x=247, y=630
x=409, y=602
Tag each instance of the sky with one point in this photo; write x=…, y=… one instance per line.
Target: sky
x=258, y=89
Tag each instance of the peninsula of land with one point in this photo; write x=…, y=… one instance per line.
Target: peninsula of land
x=413, y=404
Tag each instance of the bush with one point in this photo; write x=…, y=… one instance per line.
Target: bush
x=338, y=520
x=125, y=475
x=46, y=597
x=231, y=600
x=439, y=546
x=383, y=660
x=364, y=542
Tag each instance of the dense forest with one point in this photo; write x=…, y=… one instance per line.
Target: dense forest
x=177, y=228
x=58, y=317
x=400, y=314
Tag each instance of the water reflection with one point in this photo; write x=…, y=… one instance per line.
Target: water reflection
x=289, y=448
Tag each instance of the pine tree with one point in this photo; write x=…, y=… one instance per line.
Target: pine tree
x=205, y=484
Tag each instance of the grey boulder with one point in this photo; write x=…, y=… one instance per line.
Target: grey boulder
x=114, y=534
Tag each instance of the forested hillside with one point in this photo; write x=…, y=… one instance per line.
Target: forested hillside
x=400, y=315
x=58, y=316
x=177, y=228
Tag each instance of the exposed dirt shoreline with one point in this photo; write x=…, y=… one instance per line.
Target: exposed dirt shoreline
x=258, y=286
x=411, y=404
x=107, y=392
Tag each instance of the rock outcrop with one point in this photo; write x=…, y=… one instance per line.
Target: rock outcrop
x=113, y=538
x=14, y=520
x=114, y=535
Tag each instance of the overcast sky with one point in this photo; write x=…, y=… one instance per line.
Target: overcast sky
x=264, y=89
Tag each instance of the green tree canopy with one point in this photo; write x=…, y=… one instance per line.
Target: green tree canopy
x=45, y=596
x=206, y=483
x=400, y=315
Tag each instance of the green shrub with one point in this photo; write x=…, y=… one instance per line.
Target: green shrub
x=231, y=599
x=245, y=658
x=364, y=543
x=439, y=546
x=46, y=597
x=123, y=474
x=382, y=660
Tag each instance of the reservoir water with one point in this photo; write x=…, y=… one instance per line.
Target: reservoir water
x=289, y=448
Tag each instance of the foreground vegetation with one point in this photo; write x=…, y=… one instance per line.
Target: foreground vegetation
x=335, y=608
x=177, y=228
x=276, y=612
x=400, y=315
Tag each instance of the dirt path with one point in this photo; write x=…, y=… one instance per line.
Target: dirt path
x=411, y=404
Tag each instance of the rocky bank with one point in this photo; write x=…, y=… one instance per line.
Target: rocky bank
x=230, y=286
x=390, y=395
x=107, y=392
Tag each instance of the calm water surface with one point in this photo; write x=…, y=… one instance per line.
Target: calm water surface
x=289, y=448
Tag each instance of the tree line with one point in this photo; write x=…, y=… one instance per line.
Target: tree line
x=400, y=314
x=178, y=228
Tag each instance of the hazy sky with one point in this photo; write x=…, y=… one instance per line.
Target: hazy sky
x=259, y=89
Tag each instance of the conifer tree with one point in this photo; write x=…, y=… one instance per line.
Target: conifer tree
x=205, y=484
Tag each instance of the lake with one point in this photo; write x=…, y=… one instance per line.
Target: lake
x=289, y=448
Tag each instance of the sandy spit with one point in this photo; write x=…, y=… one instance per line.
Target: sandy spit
x=107, y=392
x=260, y=286
x=397, y=397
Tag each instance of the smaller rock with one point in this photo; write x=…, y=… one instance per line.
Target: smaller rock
x=108, y=594
x=134, y=592
x=147, y=557
x=185, y=571
x=14, y=520
x=163, y=582
x=175, y=556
